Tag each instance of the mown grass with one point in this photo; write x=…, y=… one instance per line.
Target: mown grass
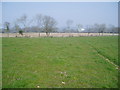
x=47, y=62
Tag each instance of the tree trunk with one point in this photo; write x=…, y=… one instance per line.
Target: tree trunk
x=25, y=32
x=8, y=34
x=47, y=34
x=99, y=33
x=39, y=34
x=16, y=34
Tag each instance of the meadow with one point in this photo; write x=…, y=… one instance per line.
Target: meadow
x=60, y=62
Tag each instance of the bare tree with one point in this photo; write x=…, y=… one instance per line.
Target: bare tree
x=89, y=29
x=39, y=21
x=96, y=28
x=79, y=27
x=24, y=22
x=18, y=29
x=102, y=28
x=49, y=24
x=69, y=23
x=7, y=27
x=112, y=28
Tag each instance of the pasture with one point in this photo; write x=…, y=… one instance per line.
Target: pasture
x=60, y=62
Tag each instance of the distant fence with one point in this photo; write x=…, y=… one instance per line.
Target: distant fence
x=55, y=34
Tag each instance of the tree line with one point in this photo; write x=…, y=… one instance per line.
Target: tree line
x=47, y=24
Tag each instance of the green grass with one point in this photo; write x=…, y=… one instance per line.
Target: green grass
x=0, y=63
x=32, y=62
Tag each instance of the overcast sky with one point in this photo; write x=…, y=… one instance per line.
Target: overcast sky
x=85, y=13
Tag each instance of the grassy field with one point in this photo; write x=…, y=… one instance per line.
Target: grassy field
x=0, y=63
x=71, y=62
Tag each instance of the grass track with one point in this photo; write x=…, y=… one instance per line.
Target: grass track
x=32, y=62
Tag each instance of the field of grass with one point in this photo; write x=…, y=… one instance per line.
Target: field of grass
x=71, y=62
x=0, y=63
